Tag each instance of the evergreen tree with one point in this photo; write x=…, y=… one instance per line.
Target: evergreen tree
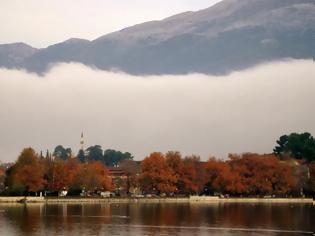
x=81, y=156
x=113, y=157
x=62, y=153
x=299, y=146
x=95, y=153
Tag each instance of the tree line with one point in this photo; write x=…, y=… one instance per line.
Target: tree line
x=32, y=173
x=289, y=171
x=246, y=174
x=108, y=157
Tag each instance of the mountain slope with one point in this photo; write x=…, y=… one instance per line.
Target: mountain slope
x=230, y=35
x=12, y=55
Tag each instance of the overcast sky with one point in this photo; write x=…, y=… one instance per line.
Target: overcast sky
x=44, y=22
x=196, y=114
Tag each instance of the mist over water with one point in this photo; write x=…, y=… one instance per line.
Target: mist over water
x=196, y=114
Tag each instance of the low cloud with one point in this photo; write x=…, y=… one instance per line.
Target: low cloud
x=195, y=114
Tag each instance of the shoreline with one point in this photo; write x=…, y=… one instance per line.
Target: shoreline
x=192, y=199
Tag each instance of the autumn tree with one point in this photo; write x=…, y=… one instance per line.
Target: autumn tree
x=73, y=168
x=64, y=173
x=92, y=176
x=263, y=174
x=59, y=176
x=27, y=173
x=48, y=166
x=174, y=161
x=189, y=172
x=156, y=175
x=221, y=178
x=191, y=176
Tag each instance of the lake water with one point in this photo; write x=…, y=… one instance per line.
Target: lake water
x=157, y=219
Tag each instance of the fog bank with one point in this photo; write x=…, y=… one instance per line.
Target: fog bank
x=195, y=114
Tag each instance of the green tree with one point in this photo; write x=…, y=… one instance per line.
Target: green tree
x=81, y=156
x=62, y=153
x=95, y=153
x=298, y=146
x=113, y=157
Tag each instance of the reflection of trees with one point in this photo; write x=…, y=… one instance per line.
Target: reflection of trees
x=76, y=218
x=25, y=218
x=234, y=215
x=269, y=216
x=93, y=219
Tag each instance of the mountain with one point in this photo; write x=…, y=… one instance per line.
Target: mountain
x=231, y=35
x=12, y=55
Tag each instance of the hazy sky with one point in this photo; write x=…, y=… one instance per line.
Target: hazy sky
x=195, y=114
x=44, y=22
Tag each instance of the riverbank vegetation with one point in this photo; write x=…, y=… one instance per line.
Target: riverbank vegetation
x=284, y=173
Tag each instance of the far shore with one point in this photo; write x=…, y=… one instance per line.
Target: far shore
x=192, y=199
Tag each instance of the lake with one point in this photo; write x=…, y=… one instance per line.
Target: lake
x=157, y=219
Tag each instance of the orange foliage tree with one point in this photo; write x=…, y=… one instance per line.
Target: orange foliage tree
x=191, y=175
x=73, y=168
x=221, y=178
x=63, y=173
x=28, y=172
x=31, y=173
x=59, y=176
x=189, y=172
x=263, y=174
x=93, y=176
x=248, y=174
x=156, y=175
x=174, y=161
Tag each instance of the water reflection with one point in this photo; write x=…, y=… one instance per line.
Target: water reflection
x=156, y=219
